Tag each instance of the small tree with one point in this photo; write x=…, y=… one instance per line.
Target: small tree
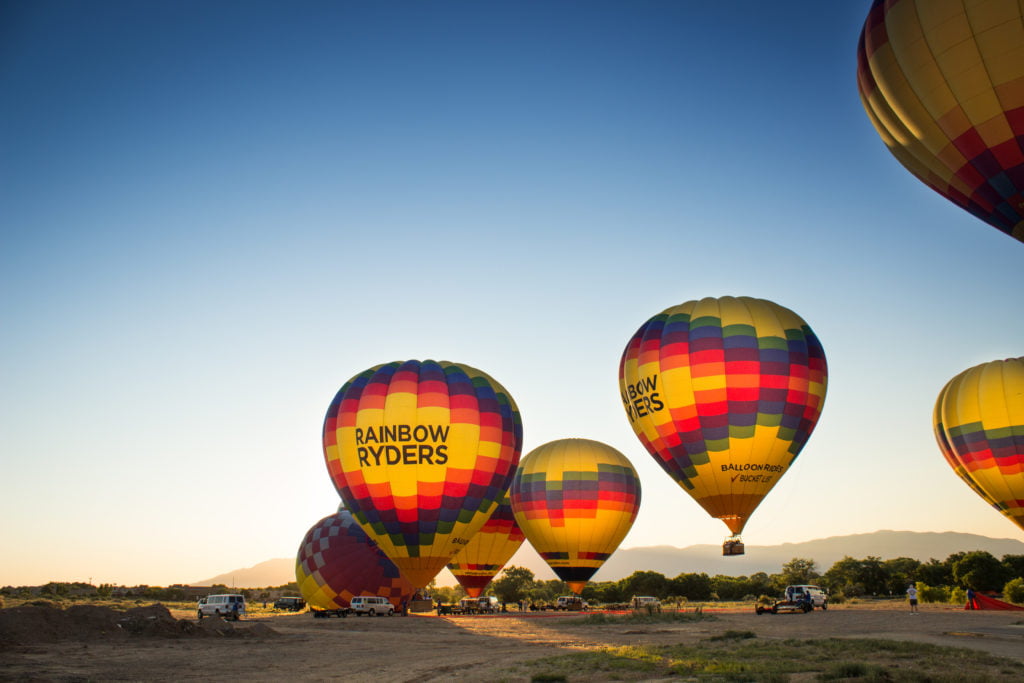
x=1014, y=591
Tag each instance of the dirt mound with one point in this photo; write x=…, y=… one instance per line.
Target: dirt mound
x=215, y=626
x=37, y=623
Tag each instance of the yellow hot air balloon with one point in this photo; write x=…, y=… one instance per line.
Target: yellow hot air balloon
x=488, y=550
x=421, y=452
x=724, y=392
x=575, y=499
x=943, y=83
x=979, y=424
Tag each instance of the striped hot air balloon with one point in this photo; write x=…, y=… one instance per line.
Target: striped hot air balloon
x=337, y=561
x=943, y=84
x=488, y=551
x=979, y=425
x=421, y=453
x=575, y=499
x=724, y=393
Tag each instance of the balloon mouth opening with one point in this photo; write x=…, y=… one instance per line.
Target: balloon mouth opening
x=735, y=523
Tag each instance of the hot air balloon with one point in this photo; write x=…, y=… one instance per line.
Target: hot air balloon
x=979, y=424
x=421, y=453
x=337, y=562
x=575, y=499
x=487, y=552
x=724, y=393
x=943, y=84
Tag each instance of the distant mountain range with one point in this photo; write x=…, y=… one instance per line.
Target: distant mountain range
x=672, y=561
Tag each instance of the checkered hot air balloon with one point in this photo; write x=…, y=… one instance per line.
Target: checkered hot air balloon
x=943, y=84
x=575, y=499
x=724, y=393
x=421, y=452
x=337, y=562
x=979, y=425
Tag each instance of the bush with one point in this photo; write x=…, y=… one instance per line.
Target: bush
x=958, y=596
x=837, y=598
x=926, y=593
x=1013, y=591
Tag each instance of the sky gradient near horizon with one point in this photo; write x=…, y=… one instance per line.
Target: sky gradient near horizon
x=214, y=214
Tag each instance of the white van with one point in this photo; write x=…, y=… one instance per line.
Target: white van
x=571, y=603
x=371, y=606
x=813, y=594
x=647, y=602
x=226, y=606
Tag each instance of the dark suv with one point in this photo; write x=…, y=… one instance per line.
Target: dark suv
x=290, y=604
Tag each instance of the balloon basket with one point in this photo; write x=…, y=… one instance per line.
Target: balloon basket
x=733, y=546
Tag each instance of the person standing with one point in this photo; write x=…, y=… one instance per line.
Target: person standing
x=912, y=595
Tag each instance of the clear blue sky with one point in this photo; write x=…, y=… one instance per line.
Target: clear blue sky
x=213, y=214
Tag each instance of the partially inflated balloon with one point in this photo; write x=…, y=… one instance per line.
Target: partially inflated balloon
x=979, y=424
x=421, y=453
x=724, y=393
x=943, y=84
x=575, y=499
x=488, y=551
x=337, y=561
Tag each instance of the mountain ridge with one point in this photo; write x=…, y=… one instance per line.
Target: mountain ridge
x=672, y=561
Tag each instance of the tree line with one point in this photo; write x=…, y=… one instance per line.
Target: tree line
x=937, y=581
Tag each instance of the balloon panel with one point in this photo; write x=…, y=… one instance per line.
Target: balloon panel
x=337, y=561
x=724, y=393
x=943, y=84
x=488, y=551
x=421, y=452
x=979, y=417
x=575, y=499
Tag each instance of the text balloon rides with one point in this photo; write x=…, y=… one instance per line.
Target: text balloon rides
x=487, y=552
x=421, y=453
x=337, y=561
x=943, y=84
x=724, y=392
x=979, y=424
x=575, y=500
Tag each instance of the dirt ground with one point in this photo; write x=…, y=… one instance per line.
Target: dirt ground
x=431, y=648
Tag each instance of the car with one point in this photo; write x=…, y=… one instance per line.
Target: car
x=798, y=599
x=488, y=603
x=570, y=603
x=227, y=606
x=647, y=602
x=290, y=604
x=813, y=594
x=371, y=606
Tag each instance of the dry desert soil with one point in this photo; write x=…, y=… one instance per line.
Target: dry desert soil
x=156, y=644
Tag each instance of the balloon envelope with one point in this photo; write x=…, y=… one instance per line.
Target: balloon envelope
x=943, y=84
x=421, y=452
x=724, y=393
x=488, y=551
x=337, y=561
x=979, y=424
x=575, y=499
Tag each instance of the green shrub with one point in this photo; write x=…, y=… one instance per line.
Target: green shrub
x=846, y=670
x=837, y=598
x=926, y=593
x=1013, y=591
x=957, y=596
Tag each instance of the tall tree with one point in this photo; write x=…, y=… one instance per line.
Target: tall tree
x=513, y=585
x=979, y=570
x=799, y=570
